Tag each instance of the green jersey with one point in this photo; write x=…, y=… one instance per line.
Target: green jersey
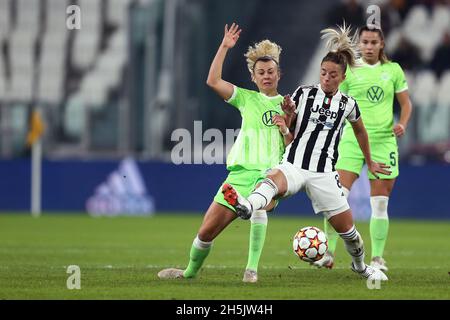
x=374, y=88
x=259, y=145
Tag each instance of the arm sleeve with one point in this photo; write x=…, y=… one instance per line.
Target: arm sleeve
x=237, y=99
x=400, y=83
x=354, y=114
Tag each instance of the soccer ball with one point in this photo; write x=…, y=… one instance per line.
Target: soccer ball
x=310, y=244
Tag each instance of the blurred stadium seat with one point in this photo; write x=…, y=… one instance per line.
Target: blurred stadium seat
x=87, y=39
x=4, y=19
x=117, y=12
x=2, y=78
x=52, y=66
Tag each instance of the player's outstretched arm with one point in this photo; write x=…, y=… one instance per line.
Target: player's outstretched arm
x=363, y=141
x=223, y=88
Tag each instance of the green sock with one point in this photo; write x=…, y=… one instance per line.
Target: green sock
x=332, y=236
x=257, y=238
x=378, y=234
x=197, y=256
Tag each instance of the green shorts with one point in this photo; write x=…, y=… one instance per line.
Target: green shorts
x=384, y=150
x=243, y=180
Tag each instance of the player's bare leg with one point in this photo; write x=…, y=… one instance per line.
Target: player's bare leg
x=343, y=224
x=346, y=179
x=274, y=185
x=217, y=218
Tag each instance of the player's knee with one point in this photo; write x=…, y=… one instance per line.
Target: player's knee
x=279, y=180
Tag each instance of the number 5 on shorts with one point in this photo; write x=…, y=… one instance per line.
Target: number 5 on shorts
x=393, y=160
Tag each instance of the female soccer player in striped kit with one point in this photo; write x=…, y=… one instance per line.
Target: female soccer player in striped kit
x=258, y=147
x=308, y=163
x=373, y=83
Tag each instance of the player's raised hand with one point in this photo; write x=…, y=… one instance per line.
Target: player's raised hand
x=399, y=130
x=288, y=106
x=231, y=35
x=378, y=167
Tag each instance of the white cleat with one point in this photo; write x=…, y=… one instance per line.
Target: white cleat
x=371, y=273
x=379, y=263
x=327, y=261
x=239, y=203
x=250, y=276
x=171, y=273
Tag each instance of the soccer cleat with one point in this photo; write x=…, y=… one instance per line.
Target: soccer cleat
x=240, y=204
x=327, y=261
x=171, y=273
x=370, y=273
x=250, y=276
x=379, y=263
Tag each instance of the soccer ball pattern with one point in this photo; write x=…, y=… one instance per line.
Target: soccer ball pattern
x=310, y=244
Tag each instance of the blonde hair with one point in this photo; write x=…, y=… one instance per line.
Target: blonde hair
x=343, y=48
x=265, y=50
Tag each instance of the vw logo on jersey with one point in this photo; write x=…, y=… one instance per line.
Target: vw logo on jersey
x=267, y=117
x=375, y=94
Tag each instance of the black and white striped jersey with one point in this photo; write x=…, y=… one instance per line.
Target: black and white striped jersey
x=318, y=129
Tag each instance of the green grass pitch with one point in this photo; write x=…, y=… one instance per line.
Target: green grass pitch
x=119, y=259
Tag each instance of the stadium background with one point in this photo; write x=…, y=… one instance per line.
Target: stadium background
x=109, y=96
x=118, y=87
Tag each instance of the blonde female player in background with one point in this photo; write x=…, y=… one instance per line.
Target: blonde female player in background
x=259, y=146
x=373, y=83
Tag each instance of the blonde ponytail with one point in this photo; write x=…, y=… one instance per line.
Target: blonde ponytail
x=341, y=44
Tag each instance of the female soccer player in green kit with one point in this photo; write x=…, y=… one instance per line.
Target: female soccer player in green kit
x=258, y=147
x=373, y=84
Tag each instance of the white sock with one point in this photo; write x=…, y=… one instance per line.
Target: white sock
x=355, y=247
x=259, y=216
x=199, y=244
x=262, y=196
x=379, y=206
